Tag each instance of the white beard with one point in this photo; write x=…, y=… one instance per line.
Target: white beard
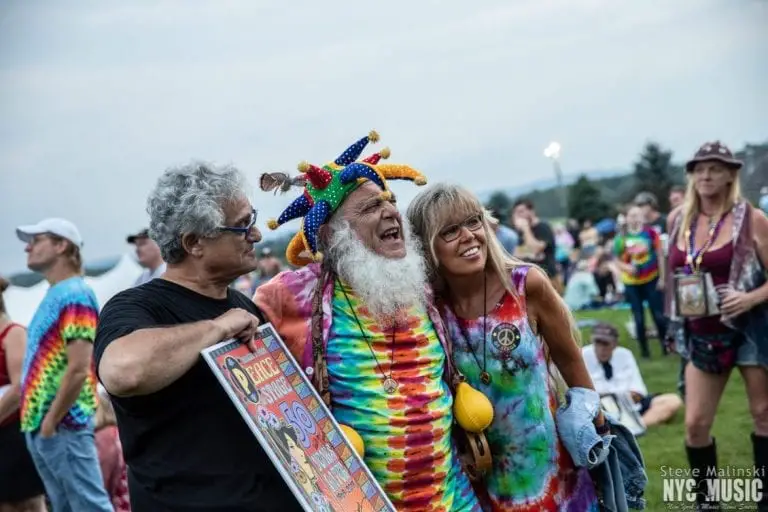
x=386, y=286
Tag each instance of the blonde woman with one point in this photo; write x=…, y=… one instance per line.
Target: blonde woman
x=497, y=310
x=717, y=258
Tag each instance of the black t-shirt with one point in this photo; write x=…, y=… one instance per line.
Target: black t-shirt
x=543, y=233
x=576, y=240
x=186, y=445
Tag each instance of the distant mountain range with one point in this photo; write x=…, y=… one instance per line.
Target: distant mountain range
x=277, y=242
x=543, y=184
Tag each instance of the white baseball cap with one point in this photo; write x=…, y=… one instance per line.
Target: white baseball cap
x=55, y=226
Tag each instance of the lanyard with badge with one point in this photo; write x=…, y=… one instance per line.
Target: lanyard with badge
x=695, y=292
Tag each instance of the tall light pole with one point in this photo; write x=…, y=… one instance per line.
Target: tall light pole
x=553, y=153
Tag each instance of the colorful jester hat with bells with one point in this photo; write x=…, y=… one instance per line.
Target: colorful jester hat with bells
x=326, y=188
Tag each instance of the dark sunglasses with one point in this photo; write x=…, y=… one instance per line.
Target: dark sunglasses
x=452, y=232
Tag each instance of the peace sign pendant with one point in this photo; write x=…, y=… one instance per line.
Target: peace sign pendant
x=485, y=377
x=390, y=385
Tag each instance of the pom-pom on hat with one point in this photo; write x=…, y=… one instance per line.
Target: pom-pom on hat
x=325, y=189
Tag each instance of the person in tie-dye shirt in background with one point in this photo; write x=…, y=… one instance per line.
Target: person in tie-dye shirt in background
x=639, y=252
x=516, y=342
x=380, y=358
x=58, y=383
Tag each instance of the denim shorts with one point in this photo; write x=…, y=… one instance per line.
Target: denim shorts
x=718, y=353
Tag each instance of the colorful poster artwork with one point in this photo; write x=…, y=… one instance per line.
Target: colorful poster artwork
x=294, y=426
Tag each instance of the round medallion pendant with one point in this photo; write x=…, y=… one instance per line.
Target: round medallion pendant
x=485, y=377
x=390, y=385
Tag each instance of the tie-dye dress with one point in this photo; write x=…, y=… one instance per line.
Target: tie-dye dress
x=532, y=471
x=407, y=434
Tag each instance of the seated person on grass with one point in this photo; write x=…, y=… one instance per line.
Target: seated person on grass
x=582, y=292
x=614, y=370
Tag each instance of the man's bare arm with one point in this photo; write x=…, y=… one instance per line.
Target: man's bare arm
x=529, y=241
x=148, y=360
x=79, y=354
x=552, y=320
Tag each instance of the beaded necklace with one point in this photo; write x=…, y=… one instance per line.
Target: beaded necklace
x=694, y=257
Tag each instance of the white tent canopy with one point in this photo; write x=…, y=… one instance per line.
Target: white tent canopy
x=21, y=302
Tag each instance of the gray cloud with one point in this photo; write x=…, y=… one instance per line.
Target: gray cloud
x=96, y=99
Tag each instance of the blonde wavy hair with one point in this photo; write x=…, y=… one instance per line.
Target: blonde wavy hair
x=436, y=207
x=691, y=206
x=433, y=209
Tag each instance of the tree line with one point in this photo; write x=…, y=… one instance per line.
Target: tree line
x=653, y=171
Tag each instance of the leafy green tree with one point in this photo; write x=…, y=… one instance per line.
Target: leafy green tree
x=586, y=202
x=500, y=203
x=655, y=173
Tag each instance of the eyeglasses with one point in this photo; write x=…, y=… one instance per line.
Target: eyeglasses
x=243, y=230
x=452, y=232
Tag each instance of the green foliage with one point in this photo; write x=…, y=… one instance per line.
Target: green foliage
x=500, y=203
x=663, y=445
x=655, y=172
x=585, y=201
x=278, y=246
x=612, y=190
x=754, y=175
x=547, y=202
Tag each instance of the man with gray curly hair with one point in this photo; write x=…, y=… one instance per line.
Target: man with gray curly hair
x=168, y=405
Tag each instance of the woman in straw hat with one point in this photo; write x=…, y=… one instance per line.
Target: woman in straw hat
x=716, y=295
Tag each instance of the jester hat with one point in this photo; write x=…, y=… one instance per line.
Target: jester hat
x=325, y=189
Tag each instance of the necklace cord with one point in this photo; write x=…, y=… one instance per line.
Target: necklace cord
x=485, y=320
x=694, y=257
x=367, y=341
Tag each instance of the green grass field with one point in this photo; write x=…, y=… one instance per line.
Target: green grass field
x=664, y=445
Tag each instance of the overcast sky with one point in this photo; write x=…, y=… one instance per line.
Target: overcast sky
x=98, y=97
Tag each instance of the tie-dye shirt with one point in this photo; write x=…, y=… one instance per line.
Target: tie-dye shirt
x=68, y=312
x=407, y=434
x=532, y=471
x=639, y=250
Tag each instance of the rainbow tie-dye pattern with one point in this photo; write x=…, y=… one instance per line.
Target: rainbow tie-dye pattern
x=532, y=470
x=639, y=249
x=68, y=312
x=407, y=435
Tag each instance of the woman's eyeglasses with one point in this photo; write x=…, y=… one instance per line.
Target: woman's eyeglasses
x=243, y=230
x=452, y=232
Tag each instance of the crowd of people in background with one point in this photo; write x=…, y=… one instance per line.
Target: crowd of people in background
x=619, y=265
x=123, y=386
x=64, y=330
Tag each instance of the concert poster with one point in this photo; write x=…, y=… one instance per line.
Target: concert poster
x=294, y=426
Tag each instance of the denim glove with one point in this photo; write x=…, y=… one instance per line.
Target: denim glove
x=577, y=431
